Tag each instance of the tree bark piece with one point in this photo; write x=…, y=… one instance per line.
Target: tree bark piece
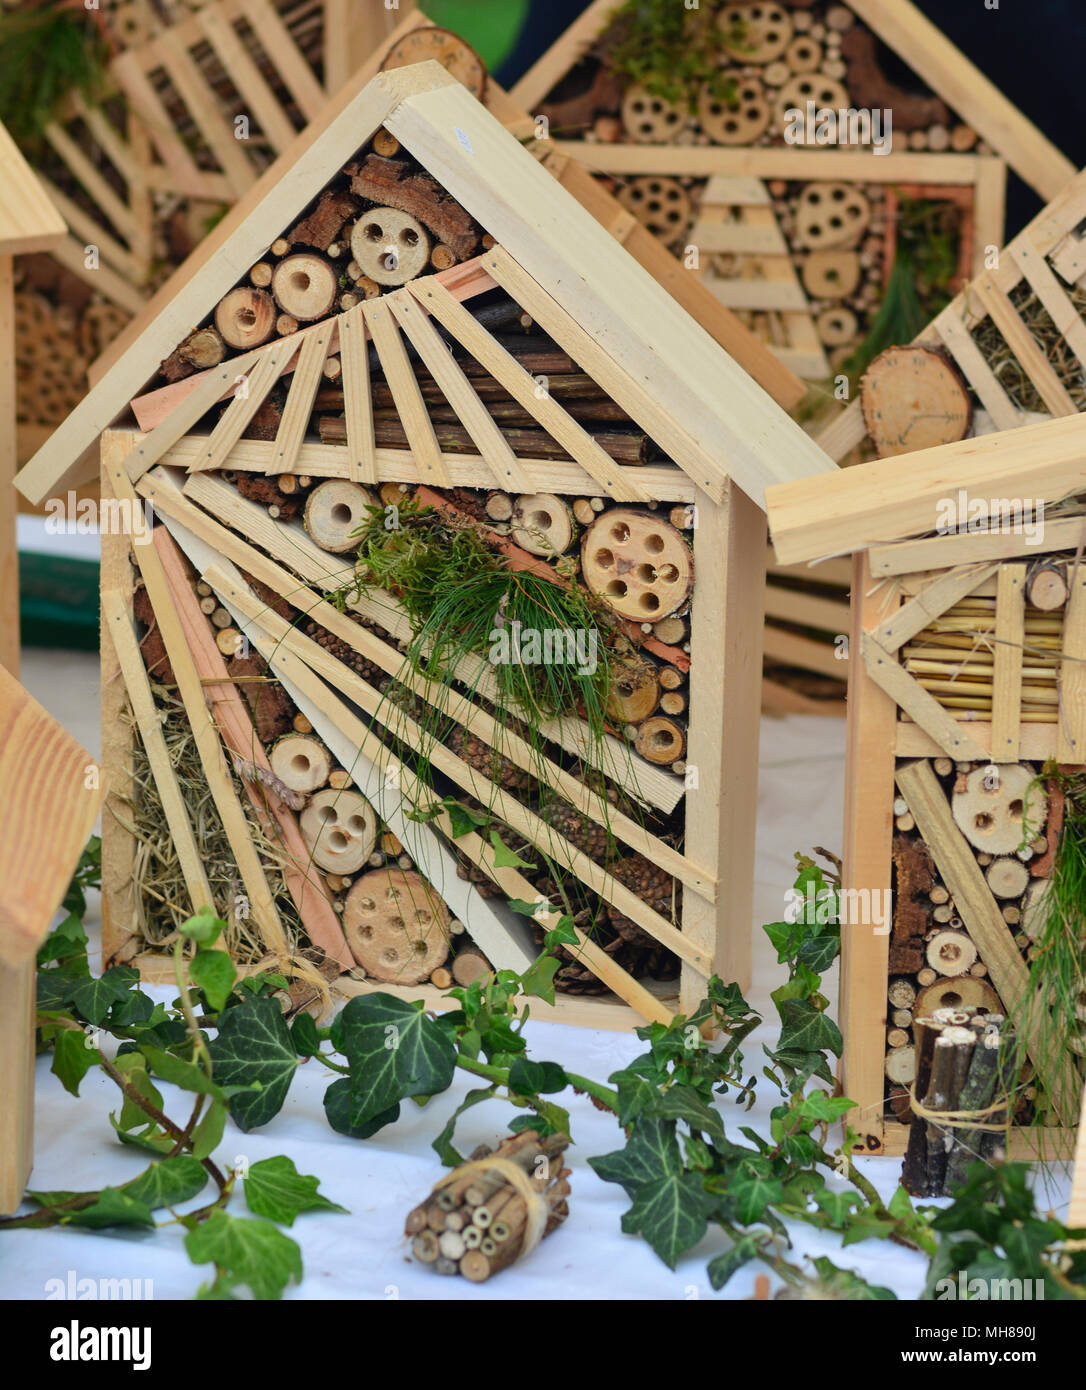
x=391, y=183
x=914, y=398
x=271, y=709
x=869, y=87
x=323, y=225
x=305, y=286
x=396, y=926
x=976, y=1094
x=340, y=829
x=245, y=318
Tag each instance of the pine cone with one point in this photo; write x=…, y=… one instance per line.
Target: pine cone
x=653, y=886
x=580, y=830
x=343, y=651
x=487, y=760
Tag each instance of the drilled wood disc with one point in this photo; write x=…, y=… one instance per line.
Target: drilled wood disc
x=756, y=33
x=390, y=246
x=650, y=119
x=831, y=274
x=396, y=926
x=635, y=691
x=913, y=398
x=804, y=54
x=443, y=46
x=339, y=829
x=660, y=204
x=660, y=740
x=837, y=326
x=542, y=524
x=830, y=215
x=739, y=121
x=638, y=564
x=991, y=808
x=961, y=991
x=826, y=93
x=300, y=762
x=334, y=512
x=305, y=286
x=245, y=318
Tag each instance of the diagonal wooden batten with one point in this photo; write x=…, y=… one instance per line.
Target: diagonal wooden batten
x=126, y=646
x=232, y=718
x=1071, y=736
x=404, y=386
x=1065, y=317
x=294, y=548
x=178, y=423
x=1076, y=1210
x=251, y=393
x=115, y=210
x=505, y=807
x=956, y=338
x=168, y=500
x=303, y=392
x=525, y=390
x=357, y=401
x=930, y=603
x=652, y=415
x=1010, y=634
x=294, y=71
x=1024, y=346
x=982, y=918
x=884, y=669
x=185, y=175
x=236, y=827
x=193, y=91
x=243, y=72
x=939, y=552
x=458, y=391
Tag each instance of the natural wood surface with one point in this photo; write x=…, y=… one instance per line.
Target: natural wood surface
x=9, y=548
x=28, y=220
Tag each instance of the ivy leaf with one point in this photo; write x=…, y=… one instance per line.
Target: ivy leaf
x=133, y=1066
x=538, y=979
x=247, y=1253
x=536, y=1078
x=848, y=1285
x=136, y=1007
x=838, y=1206
x=73, y=1057
x=684, y=1103
x=395, y=1050
x=722, y=1268
x=866, y=1225
x=96, y=996
x=671, y=1212
x=562, y=934
x=204, y=928
x=178, y=1072
x=752, y=1193
x=113, y=1208
x=253, y=1048
x=635, y=1093
x=274, y=1188
x=168, y=1183
x=804, y=1028
x=443, y=1145
x=305, y=1035
x=652, y=1150
x=214, y=973
x=55, y=990
x=350, y=1115
x=506, y=858
x=207, y=1136
x=818, y=953
x=819, y=1105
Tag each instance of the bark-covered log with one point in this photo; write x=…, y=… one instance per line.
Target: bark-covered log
x=392, y=183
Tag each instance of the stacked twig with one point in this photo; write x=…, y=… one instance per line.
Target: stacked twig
x=494, y=1209
x=964, y=1065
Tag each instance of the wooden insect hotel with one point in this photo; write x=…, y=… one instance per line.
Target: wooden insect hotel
x=50, y=800
x=441, y=592
x=966, y=745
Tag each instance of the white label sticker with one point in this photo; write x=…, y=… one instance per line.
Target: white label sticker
x=462, y=136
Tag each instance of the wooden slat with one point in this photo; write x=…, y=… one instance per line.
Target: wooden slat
x=930, y=603
x=810, y=610
x=1071, y=742
x=28, y=222
x=118, y=624
x=203, y=106
x=790, y=649
x=246, y=77
x=523, y=387
x=989, y=211
x=295, y=72
x=776, y=162
x=169, y=501
x=90, y=233
x=1024, y=346
x=17, y=1029
x=91, y=179
x=236, y=827
x=1076, y=1210
x=1010, y=635
x=405, y=391
x=299, y=407
x=992, y=937
x=754, y=296
x=458, y=391
x=884, y=669
x=956, y=339
x=1065, y=317
x=104, y=281
x=357, y=401
x=940, y=552
x=186, y=176
x=9, y=543
x=258, y=382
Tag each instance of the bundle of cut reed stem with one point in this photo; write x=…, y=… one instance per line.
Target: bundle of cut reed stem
x=495, y=1208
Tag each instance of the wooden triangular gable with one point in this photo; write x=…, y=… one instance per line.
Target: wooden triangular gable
x=552, y=256
x=913, y=38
